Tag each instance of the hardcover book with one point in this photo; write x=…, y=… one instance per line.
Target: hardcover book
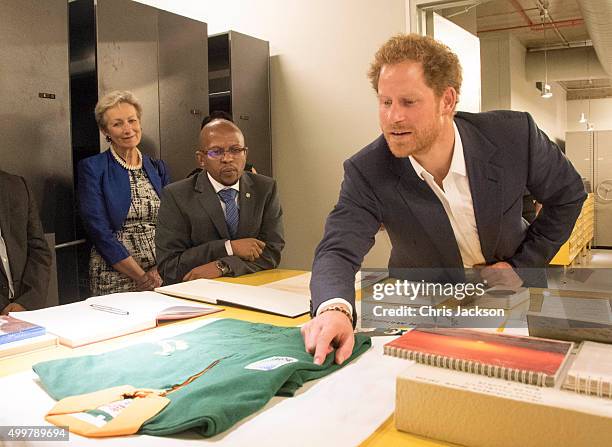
x=530, y=360
x=12, y=329
x=27, y=345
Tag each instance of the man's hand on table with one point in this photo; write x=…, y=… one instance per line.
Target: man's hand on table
x=206, y=271
x=12, y=307
x=501, y=274
x=329, y=330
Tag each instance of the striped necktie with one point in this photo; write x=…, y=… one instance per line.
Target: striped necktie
x=231, y=210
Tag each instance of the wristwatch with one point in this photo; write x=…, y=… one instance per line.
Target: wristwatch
x=223, y=267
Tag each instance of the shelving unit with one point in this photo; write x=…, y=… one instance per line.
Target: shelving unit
x=239, y=84
x=160, y=56
x=581, y=237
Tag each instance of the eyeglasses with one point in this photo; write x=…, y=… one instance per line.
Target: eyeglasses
x=219, y=152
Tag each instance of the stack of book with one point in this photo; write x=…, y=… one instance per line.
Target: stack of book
x=571, y=315
x=17, y=336
x=479, y=389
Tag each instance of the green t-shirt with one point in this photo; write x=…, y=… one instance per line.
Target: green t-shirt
x=257, y=362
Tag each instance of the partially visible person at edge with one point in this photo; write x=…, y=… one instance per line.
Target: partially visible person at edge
x=25, y=257
x=118, y=193
x=447, y=186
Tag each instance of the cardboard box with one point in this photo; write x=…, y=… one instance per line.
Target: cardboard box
x=478, y=411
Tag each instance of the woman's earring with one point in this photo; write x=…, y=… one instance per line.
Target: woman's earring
x=108, y=139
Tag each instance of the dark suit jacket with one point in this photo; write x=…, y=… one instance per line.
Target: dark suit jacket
x=505, y=154
x=105, y=197
x=28, y=252
x=191, y=228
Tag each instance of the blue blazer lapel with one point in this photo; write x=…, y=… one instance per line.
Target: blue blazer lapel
x=429, y=211
x=210, y=201
x=485, y=185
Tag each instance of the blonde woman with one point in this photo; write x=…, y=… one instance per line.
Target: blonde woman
x=118, y=192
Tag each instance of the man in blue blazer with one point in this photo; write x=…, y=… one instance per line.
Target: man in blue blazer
x=223, y=221
x=447, y=186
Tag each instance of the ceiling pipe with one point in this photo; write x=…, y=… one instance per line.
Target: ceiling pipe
x=521, y=11
x=550, y=25
x=545, y=13
x=506, y=13
x=561, y=46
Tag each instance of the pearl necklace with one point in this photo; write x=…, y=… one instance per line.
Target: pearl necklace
x=126, y=165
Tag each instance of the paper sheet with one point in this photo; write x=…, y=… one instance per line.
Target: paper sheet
x=300, y=284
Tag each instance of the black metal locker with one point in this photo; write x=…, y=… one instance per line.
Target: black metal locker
x=34, y=122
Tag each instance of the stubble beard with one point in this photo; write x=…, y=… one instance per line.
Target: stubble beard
x=422, y=142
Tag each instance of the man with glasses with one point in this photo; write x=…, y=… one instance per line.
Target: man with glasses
x=214, y=115
x=223, y=221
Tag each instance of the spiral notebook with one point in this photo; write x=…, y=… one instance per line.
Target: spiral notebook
x=535, y=361
x=591, y=372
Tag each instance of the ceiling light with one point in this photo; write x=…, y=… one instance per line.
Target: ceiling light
x=582, y=118
x=546, y=91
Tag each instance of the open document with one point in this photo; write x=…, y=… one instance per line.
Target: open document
x=277, y=302
x=103, y=317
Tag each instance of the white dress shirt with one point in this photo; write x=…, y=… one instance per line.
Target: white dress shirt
x=218, y=187
x=6, y=266
x=456, y=198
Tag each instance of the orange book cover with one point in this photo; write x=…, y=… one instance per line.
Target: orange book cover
x=524, y=359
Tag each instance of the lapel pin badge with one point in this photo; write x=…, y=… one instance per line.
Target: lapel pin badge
x=248, y=194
